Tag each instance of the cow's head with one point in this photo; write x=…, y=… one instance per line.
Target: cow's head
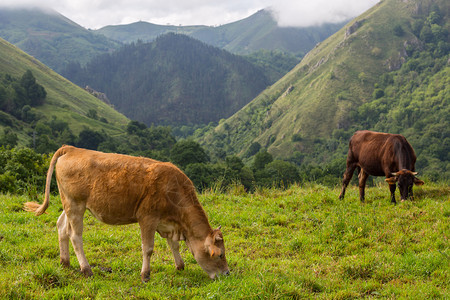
x=405, y=180
x=211, y=255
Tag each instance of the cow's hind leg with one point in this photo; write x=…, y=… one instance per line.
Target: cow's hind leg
x=74, y=217
x=63, y=237
x=362, y=176
x=175, y=247
x=347, y=177
x=148, y=228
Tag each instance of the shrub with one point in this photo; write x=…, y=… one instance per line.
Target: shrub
x=21, y=168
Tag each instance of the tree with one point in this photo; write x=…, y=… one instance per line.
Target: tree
x=253, y=149
x=92, y=113
x=44, y=144
x=283, y=173
x=261, y=159
x=8, y=139
x=135, y=127
x=398, y=30
x=202, y=175
x=187, y=152
x=28, y=115
x=35, y=93
x=90, y=139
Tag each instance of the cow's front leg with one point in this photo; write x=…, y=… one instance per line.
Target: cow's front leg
x=63, y=238
x=362, y=176
x=175, y=247
x=75, y=221
x=148, y=229
x=392, y=189
x=411, y=195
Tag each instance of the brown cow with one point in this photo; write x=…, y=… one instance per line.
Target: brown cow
x=119, y=189
x=381, y=154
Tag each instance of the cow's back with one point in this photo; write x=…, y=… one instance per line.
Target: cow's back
x=111, y=185
x=381, y=153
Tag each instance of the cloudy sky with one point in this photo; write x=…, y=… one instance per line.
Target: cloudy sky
x=95, y=14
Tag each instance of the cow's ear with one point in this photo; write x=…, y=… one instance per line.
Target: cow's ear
x=417, y=181
x=391, y=180
x=217, y=235
x=214, y=251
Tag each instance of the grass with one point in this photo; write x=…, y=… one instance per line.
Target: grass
x=298, y=243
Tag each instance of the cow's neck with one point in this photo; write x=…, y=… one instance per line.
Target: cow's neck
x=404, y=158
x=196, y=223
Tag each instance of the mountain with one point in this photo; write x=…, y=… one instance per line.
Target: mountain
x=65, y=102
x=257, y=32
x=386, y=70
x=174, y=80
x=51, y=37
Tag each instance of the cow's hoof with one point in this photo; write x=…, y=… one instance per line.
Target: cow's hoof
x=180, y=268
x=65, y=263
x=87, y=272
x=145, y=277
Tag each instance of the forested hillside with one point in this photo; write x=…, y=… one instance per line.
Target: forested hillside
x=259, y=31
x=387, y=70
x=174, y=80
x=50, y=37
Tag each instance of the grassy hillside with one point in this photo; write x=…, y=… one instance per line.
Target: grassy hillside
x=65, y=101
x=293, y=244
x=257, y=32
x=51, y=37
x=312, y=111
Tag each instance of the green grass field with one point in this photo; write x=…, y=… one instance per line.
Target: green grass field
x=298, y=243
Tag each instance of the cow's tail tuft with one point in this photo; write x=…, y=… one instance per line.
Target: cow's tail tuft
x=35, y=207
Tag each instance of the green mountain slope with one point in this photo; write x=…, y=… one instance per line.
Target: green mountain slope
x=174, y=80
x=259, y=31
x=358, y=78
x=65, y=101
x=51, y=37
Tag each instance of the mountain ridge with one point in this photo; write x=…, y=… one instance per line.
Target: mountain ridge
x=256, y=32
x=51, y=37
x=312, y=111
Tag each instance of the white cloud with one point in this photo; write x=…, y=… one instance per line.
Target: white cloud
x=99, y=13
x=303, y=13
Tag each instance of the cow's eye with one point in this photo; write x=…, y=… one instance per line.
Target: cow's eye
x=221, y=256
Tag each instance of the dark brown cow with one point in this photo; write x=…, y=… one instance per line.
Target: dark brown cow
x=381, y=154
x=120, y=189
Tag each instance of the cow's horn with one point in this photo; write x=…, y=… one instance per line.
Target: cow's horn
x=394, y=173
x=415, y=173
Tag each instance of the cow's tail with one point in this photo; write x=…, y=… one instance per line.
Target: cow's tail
x=35, y=207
